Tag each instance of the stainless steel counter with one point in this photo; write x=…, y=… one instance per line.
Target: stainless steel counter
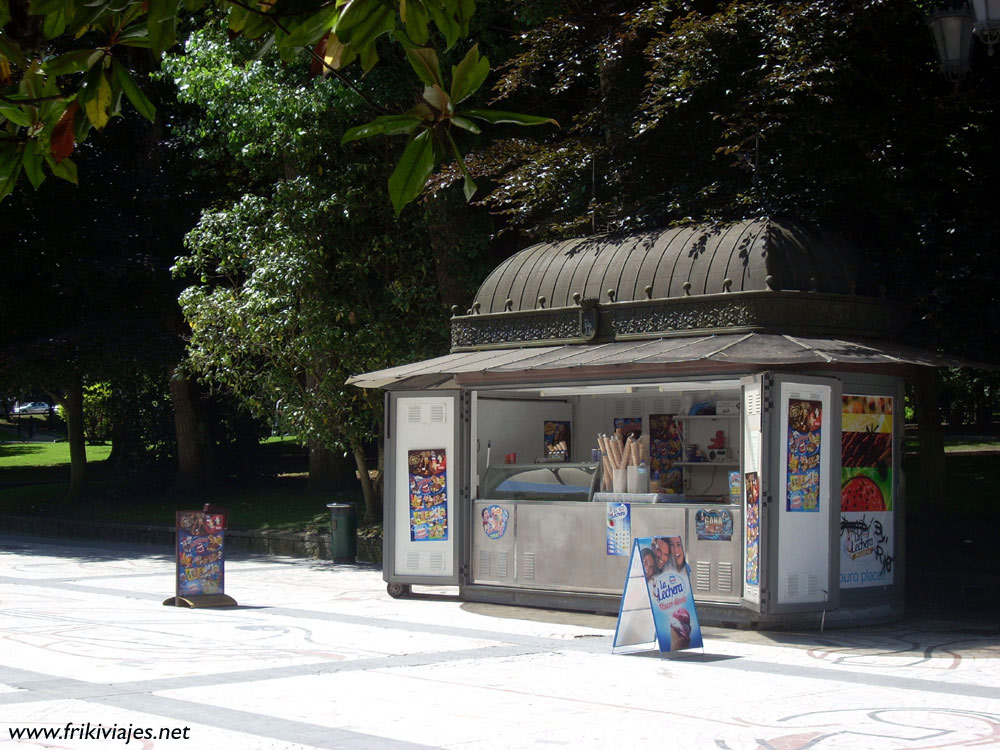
x=562, y=545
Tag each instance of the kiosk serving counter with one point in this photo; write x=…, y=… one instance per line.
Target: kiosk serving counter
x=755, y=386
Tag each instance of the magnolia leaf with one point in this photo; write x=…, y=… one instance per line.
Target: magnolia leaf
x=307, y=33
x=415, y=21
x=97, y=101
x=468, y=75
x=384, y=125
x=4, y=12
x=54, y=24
x=361, y=22
x=466, y=124
x=422, y=111
x=369, y=56
x=142, y=105
x=317, y=61
x=497, y=117
x=10, y=166
x=337, y=54
x=161, y=22
x=435, y=96
x=424, y=62
x=12, y=52
x=87, y=14
x=65, y=170
x=70, y=62
x=468, y=186
x=237, y=18
x=410, y=175
x=447, y=24
x=63, y=138
x=32, y=161
x=15, y=114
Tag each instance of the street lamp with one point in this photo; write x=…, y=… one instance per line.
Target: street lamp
x=987, y=25
x=952, y=31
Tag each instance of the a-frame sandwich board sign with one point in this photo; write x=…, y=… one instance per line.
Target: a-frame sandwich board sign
x=657, y=603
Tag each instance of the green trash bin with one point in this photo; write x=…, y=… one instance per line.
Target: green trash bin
x=343, y=531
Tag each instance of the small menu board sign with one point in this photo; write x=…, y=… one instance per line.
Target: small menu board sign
x=201, y=559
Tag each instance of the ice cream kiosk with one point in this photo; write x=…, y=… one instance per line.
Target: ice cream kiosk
x=737, y=385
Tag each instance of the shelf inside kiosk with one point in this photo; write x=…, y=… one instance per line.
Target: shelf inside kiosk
x=559, y=481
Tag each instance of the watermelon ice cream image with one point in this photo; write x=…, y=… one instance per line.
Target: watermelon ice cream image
x=860, y=494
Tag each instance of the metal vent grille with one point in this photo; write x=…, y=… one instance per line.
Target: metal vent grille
x=412, y=560
x=528, y=566
x=725, y=577
x=502, y=564
x=703, y=576
x=753, y=402
x=436, y=560
x=438, y=414
x=812, y=584
x=791, y=586
x=484, y=563
x=413, y=413
x=665, y=405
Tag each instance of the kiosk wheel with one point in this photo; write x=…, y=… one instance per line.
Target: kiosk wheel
x=398, y=590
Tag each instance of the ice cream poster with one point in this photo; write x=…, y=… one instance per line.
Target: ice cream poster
x=200, y=553
x=752, y=563
x=659, y=566
x=866, y=482
x=805, y=425
x=495, y=520
x=428, y=495
x=664, y=450
x=619, y=528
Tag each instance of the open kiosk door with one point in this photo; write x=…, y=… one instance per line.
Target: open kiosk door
x=753, y=487
x=801, y=419
x=422, y=494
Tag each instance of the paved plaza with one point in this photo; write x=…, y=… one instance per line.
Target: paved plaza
x=317, y=655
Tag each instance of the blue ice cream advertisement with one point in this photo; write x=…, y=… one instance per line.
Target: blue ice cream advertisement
x=668, y=579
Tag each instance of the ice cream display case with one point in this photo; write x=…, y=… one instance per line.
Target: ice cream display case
x=552, y=481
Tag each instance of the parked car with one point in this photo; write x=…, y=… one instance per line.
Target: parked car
x=33, y=407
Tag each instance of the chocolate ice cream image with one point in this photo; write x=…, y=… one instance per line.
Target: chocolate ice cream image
x=680, y=629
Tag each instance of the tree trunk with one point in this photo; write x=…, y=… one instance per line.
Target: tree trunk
x=72, y=403
x=373, y=498
x=195, y=457
x=322, y=470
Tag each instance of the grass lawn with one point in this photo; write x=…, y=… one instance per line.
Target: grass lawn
x=34, y=480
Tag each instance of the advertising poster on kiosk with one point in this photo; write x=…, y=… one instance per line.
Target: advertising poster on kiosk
x=658, y=600
x=805, y=426
x=664, y=450
x=428, y=495
x=866, y=501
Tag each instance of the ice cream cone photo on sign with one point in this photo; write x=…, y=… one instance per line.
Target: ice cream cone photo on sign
x=671, y=597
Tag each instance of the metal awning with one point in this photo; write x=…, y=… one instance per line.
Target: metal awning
x=666, y=356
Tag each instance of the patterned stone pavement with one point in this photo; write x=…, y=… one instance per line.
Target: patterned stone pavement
x=317, y=655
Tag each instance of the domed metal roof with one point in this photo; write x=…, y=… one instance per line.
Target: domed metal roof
x=746, y=256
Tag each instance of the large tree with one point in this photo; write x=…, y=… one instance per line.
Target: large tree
x=305, y=279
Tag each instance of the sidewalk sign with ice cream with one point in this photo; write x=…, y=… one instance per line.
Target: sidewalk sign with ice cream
x=201, y=559
x=658, y=601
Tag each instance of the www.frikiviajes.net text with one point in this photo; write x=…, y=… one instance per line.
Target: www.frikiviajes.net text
x=88, y=731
